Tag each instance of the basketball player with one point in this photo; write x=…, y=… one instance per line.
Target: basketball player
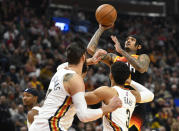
x=118, y=120
x=30, y=97
x=138, y=65
x=65, y=96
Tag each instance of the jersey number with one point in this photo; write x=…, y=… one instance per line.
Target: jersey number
x=127, y=122
x=132, y=69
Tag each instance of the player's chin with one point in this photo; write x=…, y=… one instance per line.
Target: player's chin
x=127, y=48
x=25, y=103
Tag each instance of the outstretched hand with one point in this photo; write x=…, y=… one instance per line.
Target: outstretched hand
x=117, y=44
x=98, y=55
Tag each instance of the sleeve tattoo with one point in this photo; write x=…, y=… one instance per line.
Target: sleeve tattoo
x=141, y=64
x=108, y=58
x=92, y=46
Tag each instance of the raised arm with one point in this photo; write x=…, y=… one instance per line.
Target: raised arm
x=141, y=64
x=92, y=46
x=75, y=87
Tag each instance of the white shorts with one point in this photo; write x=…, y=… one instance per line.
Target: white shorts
x=42, y=125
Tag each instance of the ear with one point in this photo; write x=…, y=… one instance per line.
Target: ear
x=139, y=47
x=83, y=57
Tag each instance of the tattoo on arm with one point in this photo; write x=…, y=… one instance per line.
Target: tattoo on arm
x=94, y=42
x=140, y=64
x=67, y=77
x=108, y=58
x=144, y=61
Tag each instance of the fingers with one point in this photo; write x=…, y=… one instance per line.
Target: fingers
x=106, y=27
x=114, y=38
x=117, y=102
x=101, y=52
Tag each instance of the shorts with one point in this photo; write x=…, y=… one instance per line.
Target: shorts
x=43, y=125
x=138, y=117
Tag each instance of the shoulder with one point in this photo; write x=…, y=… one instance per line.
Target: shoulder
x=104, y=91
x=71, y=77
x=31, y=114
x=103, y=88
x=144, y=56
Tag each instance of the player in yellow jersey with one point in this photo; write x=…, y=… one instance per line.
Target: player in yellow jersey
x=138, y=65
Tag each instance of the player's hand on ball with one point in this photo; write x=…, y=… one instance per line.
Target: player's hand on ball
x=117, y=44
x=98, y=55
x=102, y=27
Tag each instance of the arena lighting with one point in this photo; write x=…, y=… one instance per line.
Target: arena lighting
x=62, y=23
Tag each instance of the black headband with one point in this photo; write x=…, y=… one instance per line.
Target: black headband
x=32, y=91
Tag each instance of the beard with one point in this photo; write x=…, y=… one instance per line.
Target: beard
x=85, y=67
x=127, y=49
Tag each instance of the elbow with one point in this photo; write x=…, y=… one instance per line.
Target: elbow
x=83, y=118
x=152, y=96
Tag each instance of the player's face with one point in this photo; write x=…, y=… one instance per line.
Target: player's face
x=28, y=99
x=130, y=44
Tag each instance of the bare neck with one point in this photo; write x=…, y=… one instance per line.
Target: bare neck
x=131, y=52
x=77, y=68
x=114, y=84
x=31, y=106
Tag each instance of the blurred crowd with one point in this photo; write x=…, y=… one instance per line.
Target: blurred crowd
x=31, y=48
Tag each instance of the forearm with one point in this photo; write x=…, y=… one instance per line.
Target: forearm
x=89, y=61
x=92, y=46
x=133, y=61
x=85, y=114
x=146, y=95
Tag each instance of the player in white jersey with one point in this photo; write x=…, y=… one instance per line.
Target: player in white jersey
x=65, y=96
x=30, y=100
x=118, y=120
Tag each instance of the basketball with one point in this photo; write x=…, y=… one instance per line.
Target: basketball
x=106, y=14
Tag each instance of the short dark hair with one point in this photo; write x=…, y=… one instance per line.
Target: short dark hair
x=143, y=49
x=120, y=72
x=74, y=52
x=138, y=40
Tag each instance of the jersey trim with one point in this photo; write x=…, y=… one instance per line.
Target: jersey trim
x=54, y=120
x=113, y=124
x=123, y=59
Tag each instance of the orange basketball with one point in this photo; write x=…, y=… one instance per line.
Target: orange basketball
x=106, y=14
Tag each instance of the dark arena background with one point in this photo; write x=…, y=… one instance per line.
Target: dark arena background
x=35, y=33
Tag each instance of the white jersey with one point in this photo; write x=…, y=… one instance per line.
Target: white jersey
x=118, y=120
x=57, y=111
x=34, y=108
